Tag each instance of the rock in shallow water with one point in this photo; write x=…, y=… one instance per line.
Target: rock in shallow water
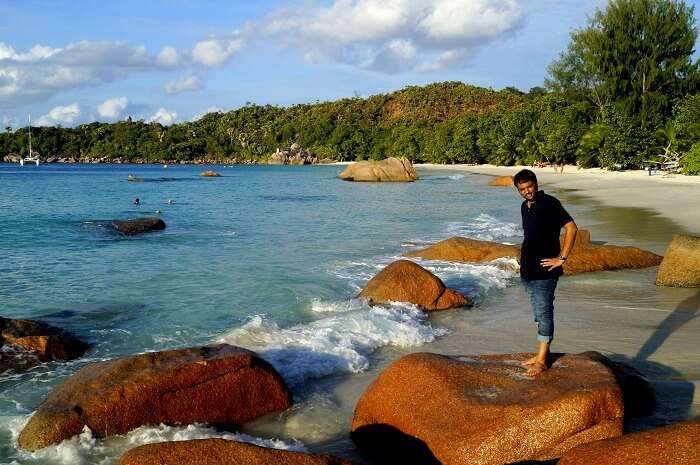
x=502, y=181
x=45, y=341
x=390, y=169
x=220, y=452
x=462, y=249
x=670, y=445
x=139, y=225
x=482, y=410
x=219, y=384
x=406, y=281
x=585, y=257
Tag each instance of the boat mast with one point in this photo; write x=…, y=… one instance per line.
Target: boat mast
x=30, y=135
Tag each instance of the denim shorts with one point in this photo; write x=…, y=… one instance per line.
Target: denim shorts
x=541, y=293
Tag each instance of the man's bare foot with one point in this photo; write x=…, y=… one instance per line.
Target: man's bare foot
x=536, y=369
x=529, y=361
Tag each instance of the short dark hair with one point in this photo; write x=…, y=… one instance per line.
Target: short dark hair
x=524, y=176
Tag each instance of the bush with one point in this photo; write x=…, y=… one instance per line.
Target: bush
x=691, y=161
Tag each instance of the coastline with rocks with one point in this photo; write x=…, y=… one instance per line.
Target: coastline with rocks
x=594, y=312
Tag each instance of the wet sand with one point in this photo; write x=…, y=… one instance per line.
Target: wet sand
x=621, y=314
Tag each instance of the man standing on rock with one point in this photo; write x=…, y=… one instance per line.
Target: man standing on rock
x=541, y=258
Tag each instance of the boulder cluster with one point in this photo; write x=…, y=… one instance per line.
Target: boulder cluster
x=295, y=156
x=425, y=408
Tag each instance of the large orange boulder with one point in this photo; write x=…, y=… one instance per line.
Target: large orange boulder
x=389, y=169
x=586, y=256
x=484, y=410
x=669, y=445
x=681, y=264
x=461, y=249
x=501, y=181
x=406, y=281
x=220, y=452
x=42, y=340
x=218, y=384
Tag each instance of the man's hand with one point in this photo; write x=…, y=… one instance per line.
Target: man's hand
x=551, y=263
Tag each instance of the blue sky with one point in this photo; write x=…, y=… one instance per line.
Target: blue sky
x=70, y=62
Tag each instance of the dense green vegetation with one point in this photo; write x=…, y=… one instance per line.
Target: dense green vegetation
x=624, y=93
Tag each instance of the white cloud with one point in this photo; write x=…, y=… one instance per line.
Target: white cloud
x=41, y=72
x=189, y=81
x=163, y=116
x=215, y=51
x=444, y=60
x=168, y=57
x=112, y=108
x=394, y=56
x=394, y=35
x=469, y=20
x=60, y=115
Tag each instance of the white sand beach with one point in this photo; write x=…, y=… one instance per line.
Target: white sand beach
x=673, y=196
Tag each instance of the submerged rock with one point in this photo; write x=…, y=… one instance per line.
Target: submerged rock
x=435, y=409
x=139, y=225
x=220, y=452
x=209, y=174
x=669, y=445
x=681, y=264
x=42, y=340
x=219, y=384
x=502, y=181
x=390, y=169
x=406, y=281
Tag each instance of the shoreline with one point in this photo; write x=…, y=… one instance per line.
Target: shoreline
x=670, y=196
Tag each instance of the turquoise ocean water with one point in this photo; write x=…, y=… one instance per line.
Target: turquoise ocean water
x=268, y=257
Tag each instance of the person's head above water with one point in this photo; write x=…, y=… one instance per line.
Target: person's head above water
x=137, y=201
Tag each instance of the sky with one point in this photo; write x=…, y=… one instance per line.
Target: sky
x=71, y=62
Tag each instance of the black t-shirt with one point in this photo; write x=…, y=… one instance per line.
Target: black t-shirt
x=542, y=224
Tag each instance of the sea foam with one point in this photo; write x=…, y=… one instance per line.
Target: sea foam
x=85, y=448
x=339, y=342
x=485, y=227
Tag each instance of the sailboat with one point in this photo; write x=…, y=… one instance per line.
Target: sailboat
x=33, y=156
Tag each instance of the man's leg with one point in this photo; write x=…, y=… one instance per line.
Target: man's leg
x=541, y=293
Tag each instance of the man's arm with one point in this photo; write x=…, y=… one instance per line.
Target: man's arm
x=569, y=239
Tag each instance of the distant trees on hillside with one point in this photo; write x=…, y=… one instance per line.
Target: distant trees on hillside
x=624, y=90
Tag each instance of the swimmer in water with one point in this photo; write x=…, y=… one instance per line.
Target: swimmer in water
x=137, y=201
x=171, y=201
